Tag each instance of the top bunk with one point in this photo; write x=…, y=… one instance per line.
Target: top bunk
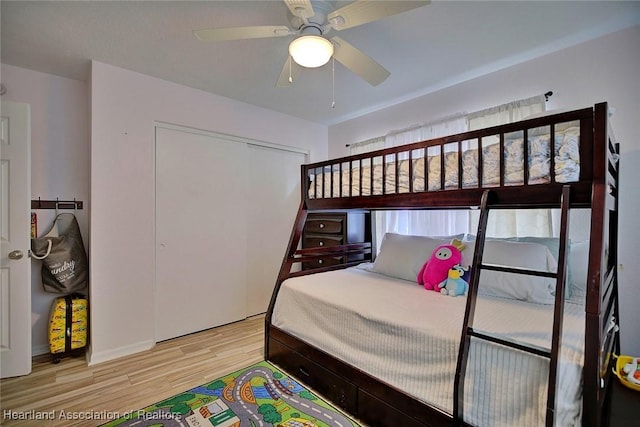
x=527, y=163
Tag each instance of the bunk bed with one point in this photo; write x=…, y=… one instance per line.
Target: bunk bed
x=390, y=353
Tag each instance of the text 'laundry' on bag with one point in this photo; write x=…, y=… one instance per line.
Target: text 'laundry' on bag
x=64, y=260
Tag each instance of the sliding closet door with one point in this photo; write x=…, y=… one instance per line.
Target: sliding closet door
x=201, y=206
x=274, y=191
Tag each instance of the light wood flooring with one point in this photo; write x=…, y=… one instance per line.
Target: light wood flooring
x=129, y=383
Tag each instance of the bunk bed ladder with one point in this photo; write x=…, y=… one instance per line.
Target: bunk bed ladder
x=468, y=331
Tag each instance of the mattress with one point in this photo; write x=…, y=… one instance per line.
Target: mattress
x=384, y=172
x=408, y=337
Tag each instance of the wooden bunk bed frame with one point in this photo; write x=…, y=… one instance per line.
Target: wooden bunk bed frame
x=376, y=403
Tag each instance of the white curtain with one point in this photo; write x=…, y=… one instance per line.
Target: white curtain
x=427, y=222
x=506, y=113
x=520, y=223
x=372, y=144
x=502, y=223
x=526, y=222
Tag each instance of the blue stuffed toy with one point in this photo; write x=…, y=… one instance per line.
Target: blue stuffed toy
x=454, y=284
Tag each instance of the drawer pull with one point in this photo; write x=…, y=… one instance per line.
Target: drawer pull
x=321, y=225
x=320, y=261
x=321, y=243
x=303, y=371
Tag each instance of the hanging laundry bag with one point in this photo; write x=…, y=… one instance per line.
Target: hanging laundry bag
x=64, y=260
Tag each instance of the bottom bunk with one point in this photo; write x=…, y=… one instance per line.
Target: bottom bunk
x=362, y=396
x=408, y=338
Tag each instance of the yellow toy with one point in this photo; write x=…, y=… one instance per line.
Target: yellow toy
x=628, y=371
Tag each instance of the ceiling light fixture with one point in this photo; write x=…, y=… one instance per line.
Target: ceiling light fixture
x=311, y=51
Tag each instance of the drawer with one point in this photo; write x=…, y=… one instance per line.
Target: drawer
x=375, y=412
x=326, y=383
x=324, y=225
x=323, y=262
x=314, y=241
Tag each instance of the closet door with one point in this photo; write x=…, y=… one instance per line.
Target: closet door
x=201, y=219
x=274, y=191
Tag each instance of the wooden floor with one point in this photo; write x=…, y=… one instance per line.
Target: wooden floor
x=129, y=383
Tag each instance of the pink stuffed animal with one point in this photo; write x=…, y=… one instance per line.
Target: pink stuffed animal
x=436, y=269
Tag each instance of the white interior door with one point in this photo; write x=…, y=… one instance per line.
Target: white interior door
x=200, y=231
x=15, y=270
x=274, y=177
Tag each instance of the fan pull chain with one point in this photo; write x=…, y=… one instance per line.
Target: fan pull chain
x=333, y=82
x=290, y=78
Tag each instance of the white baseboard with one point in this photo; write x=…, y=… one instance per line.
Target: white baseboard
x=95, y=357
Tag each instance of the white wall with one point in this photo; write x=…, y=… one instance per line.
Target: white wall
x=604, y=69
x=60, y=146
x=61, y=157
x=124, y=106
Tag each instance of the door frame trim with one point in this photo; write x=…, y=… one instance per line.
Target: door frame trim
x=242, y=140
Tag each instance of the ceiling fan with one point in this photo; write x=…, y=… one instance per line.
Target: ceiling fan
x=310, y=23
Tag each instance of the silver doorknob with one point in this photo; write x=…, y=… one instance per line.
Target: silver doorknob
x=15, y=255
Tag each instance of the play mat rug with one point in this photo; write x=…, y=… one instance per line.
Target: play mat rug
x=259, y=395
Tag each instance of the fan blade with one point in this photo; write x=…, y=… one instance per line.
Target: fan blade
x=361, y=12
x=290, y=69
x=361, y=64
x=241, y=33
x=300, y=8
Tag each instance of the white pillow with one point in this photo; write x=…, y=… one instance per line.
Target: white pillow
x=578, y=264
x=533, y=256
x=402, y=256
x=467, y=255
x=553, y=243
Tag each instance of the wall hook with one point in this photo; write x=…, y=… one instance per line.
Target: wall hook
x=56, y=204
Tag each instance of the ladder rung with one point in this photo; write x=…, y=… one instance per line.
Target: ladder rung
x=529, y=348
x=517, y=270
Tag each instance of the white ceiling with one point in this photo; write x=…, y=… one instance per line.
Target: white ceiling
x=425, y=49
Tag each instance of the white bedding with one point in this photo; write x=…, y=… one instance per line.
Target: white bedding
x=408, y=337
x=566, y=160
